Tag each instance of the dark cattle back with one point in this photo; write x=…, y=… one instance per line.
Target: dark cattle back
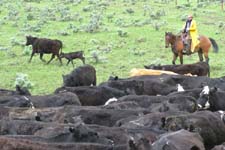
x=93, y=95
x=179, y=140
x=19, y=91
x=208, y=124
x=199, y=68
x=81, y=76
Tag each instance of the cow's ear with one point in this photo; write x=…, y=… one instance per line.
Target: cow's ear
x=72, y=129
x=163, y=120
x=203, y=84
x=213, y=89
x=116, y=78
x=132, y=143
x=146, y=67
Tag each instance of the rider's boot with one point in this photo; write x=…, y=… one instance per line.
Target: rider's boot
x=187, y=47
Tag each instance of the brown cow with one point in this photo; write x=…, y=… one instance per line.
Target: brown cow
x=43, y=45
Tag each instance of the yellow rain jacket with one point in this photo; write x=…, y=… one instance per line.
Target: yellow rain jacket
x=194, y=35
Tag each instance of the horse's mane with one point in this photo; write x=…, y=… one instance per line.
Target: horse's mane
x=175, y=35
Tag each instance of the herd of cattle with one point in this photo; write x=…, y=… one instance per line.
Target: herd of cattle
x=150, y=112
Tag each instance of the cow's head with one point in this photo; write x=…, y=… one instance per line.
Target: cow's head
x=203, y=100
x=30, y=40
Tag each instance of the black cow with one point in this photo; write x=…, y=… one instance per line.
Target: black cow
x=43, y=45
x=158, y=103
x=18, y=142
x=208, y=124
x=81, y=76
x=19, y=91
x=73, y=55
x=179, y=140
x=153, y=121
x=53, y=132
x=142, y=85
x=94, y=115
x=52, y=100
x=212, y=99
x=199, y=68
x=219, y=147
x=93, y=95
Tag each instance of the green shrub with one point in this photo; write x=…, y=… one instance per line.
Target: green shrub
x=27, y=50
x=23, y=81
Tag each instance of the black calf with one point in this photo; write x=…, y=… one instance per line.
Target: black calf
x=73, y=55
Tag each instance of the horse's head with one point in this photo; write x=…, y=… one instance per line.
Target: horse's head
x=167, y=39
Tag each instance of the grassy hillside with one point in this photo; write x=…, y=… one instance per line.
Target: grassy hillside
x=122, y=34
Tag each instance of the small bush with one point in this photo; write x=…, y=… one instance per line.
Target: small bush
x=95, y=54
x=122, y=33
x=23, y=81
x=27, y=50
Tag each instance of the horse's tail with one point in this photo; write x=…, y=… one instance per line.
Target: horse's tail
x=215, y=46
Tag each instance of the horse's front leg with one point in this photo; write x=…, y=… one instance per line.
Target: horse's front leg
x=181, y=57
x=174, y=58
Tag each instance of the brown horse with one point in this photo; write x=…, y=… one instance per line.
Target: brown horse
x=177, y=46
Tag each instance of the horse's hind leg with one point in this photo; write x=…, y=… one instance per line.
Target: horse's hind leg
x=200, y=55
x=174, y=58
x=206, y=57
x=181, y=57
x=53, y=56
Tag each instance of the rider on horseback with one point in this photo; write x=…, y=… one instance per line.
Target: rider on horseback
x=189, y=36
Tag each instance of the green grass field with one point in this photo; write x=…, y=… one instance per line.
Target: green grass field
x=123, y=34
